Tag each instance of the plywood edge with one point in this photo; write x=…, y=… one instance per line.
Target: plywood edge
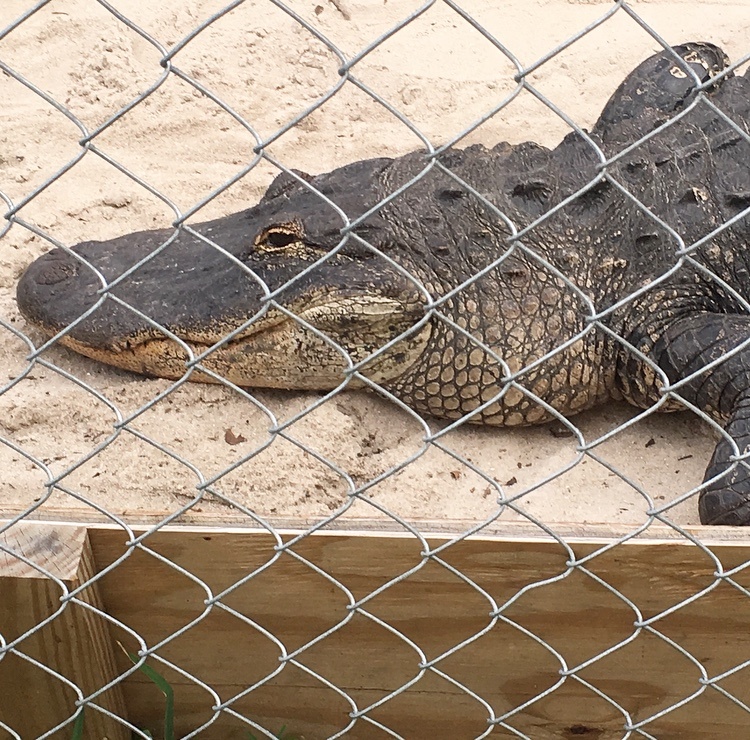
x=570, y=610
x=571, y=533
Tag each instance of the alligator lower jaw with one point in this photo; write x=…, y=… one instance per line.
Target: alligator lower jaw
x=277, y=351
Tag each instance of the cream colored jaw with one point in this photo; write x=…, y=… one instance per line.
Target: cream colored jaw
x=277, y=351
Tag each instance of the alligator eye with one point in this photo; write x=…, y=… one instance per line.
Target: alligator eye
x=280, y=239
x=277, y=237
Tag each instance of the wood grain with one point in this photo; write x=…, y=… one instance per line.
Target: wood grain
x=578, y=618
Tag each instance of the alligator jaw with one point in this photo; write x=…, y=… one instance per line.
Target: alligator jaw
x=277, y=350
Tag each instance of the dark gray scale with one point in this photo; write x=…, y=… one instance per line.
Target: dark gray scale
x=661, y=86
x=730, y=183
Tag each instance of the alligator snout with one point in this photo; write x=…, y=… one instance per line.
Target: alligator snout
x=53, y=268
x=55, y=290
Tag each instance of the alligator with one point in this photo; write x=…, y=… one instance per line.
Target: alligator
x=507, y=286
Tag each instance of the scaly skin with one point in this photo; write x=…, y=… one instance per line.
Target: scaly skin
x=509, y=331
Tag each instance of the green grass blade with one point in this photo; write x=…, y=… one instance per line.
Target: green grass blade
x=168, y=692
x=78, y=727
x=165, y=688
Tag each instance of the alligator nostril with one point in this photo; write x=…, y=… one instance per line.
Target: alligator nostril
x=55, y=271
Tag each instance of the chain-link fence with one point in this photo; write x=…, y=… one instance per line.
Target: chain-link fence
x=344, y=563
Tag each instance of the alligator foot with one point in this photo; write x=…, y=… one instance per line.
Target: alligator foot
x=725, y=506
x=689, y=348
x=727, y=501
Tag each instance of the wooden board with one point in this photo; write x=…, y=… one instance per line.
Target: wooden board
x=582, y=622
x=209, y=599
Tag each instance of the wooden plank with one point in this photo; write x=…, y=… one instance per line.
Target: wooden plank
x=234, y=521
x=75, y=644
x=576, y=616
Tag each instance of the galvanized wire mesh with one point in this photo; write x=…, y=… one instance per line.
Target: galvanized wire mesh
x=124, y=425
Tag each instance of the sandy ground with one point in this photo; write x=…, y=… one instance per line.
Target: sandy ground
x=440, y=73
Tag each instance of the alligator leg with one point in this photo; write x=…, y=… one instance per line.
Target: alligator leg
x=723, y=392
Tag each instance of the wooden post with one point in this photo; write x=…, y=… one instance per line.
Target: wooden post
x=74, y=644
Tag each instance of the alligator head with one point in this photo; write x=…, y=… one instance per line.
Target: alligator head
x=284, y=298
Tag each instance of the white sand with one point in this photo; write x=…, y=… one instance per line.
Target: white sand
x=442, y=75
